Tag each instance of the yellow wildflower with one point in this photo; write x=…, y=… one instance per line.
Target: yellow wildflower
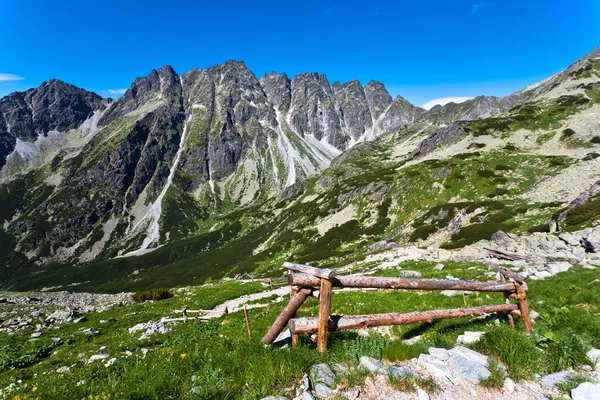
x=34, y=389
x=183, y=355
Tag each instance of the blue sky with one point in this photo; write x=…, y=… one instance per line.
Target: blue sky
x=421, y=50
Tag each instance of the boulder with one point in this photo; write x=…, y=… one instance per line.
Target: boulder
x=508, y=386
x=586, y=391
x=440, y=353
x=467, y=369
x=502, y=239
x=372, y=365
x=570, y=239
x=400, y=372
x=439, y=267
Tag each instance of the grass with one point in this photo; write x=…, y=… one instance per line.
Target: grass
x=410, y=384
x=151, y=294
x=214, y=351
x=571, y=383
x=497, y=377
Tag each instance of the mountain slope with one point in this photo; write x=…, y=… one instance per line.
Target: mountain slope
x=216, y=171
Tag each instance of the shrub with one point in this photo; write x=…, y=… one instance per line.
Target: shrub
x=151, y=294
x=365, y=346
x=422, y=232
x=595, y=139
x=568, y=132
x=497, y=377
x=410, y=384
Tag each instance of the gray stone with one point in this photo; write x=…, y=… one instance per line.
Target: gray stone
x=400, y=372
x=63, y=370
x=439, y=267
x=199, y=389
x=409, y=274
x=98, y=357
x=436, y=367
x=372, y=365
x=560, y=266
x=586, y=391
x=79, y=320
x=283, y=339
x=553, y=379
x=533, y=314
x=321, y=379
x=339, y=368
x=467, y=368
x=591, y=242
x=306, y=395
x=36, y=334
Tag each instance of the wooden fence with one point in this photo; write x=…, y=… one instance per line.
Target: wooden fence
x=318, y=283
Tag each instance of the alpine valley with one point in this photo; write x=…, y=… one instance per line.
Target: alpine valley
x=215, y=173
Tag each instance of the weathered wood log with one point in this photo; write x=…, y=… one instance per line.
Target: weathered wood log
x=317, y=272
x=524, y=306
x=506, y=272
x=507, y=256
x=287, y=313
x=401, y=283
x=310, y=325
x=324, y=314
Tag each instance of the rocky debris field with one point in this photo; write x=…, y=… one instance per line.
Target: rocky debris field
x=441, y=374
x=44, y=311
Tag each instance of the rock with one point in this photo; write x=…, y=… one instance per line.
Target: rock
x=422, y=395
x=321, y=379
x=60, y=315
x=586, y=391
x=283, y=339
x=351, y=394
x=553, y=379
x=557, y=267
x=412, y=340
x=533, y=315
x=409, y=274
x=63, y=370
x=502, y=239
x=91, y=331
x=198, y=390
x=36, y=334
x=400, y=372
x=98, y=357
x=509, y=386
x=591, y=242
x=306, y=395
x=372, y=365
x=570, y=239
x=469, y=337
x=436, y=367
x=440, y=353
x=339, y=369
x=382, y=245
x=452, y=293
x=468, y=364
x=439, y=267
x=594, y=356
x=79, y=320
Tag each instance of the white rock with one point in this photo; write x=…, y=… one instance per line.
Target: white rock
x=509, y=386
x=98, y=357
x=422, y=395
x=556, y=267
x=440, y=353
x=469, y=337
x=63, y=370
x=594, y=356
x=452, y=293
x=586, y=391
x=439, y=267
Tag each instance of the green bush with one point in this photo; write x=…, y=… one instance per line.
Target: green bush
x=422, y=232
x=365, y=346
x=595, y=139
x=151, y=294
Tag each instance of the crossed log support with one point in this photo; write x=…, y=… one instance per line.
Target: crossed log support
x=306, y=282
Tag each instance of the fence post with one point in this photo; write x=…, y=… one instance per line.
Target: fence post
x=524, y=306
x=511, y=320
x=324, y=313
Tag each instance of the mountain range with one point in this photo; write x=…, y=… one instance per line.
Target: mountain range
x=217, y=172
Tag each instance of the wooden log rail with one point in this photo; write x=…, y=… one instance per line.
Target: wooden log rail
x=311, y=281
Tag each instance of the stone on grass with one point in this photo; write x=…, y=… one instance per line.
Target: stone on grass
x=98, y=357
x=469, y=337
x=36, y=334
x=283, y=339
x=422, y=395
x=351, y=394
x=586, y=391
x=452, y=293
x=560, y=266
x=439, y=267
x=371, y=364
x=554, y=379
x=264, y=398
x=339, y=369
x=306, y=395
x=63, y=370
x=409, y=274
x=436, y=367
